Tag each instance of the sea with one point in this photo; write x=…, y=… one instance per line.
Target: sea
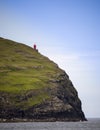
x=91, y=124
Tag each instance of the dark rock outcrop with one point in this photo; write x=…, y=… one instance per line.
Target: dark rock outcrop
x=64, y=104
x=57, y=100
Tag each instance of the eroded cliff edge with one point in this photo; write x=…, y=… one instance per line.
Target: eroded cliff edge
x=34, y=88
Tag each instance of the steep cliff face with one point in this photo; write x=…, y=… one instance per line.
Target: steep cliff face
x=64, y=104
x=34, y=88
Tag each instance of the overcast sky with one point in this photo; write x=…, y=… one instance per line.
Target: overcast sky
x=68, y=32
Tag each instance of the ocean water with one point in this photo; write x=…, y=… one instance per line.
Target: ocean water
x=91, y=124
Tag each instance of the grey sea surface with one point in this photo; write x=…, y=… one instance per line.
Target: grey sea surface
x=91, y=124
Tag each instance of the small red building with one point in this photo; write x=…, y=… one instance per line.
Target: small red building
x=34, y=46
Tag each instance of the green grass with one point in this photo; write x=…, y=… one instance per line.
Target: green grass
x=23, y=80
x=23, y=69
x=33, y=101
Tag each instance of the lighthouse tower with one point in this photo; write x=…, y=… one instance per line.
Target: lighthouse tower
x=34, y=47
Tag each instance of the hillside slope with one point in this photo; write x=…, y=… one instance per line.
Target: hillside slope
x=34, y=88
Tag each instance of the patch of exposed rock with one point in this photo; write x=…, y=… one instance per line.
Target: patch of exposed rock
x=64, y=104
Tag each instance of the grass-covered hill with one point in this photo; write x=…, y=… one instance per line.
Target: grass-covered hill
x=23, y=69
x=32, y=86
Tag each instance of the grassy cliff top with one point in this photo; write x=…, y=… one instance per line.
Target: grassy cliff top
x=23, y=71
x=22, y=68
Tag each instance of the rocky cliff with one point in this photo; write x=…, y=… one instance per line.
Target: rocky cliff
x=34, y=88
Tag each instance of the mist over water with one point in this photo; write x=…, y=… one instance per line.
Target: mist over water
x=91, y=124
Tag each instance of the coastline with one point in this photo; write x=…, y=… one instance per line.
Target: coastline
x=16, y=120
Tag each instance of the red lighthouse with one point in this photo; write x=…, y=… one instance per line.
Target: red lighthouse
x=34, y=46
